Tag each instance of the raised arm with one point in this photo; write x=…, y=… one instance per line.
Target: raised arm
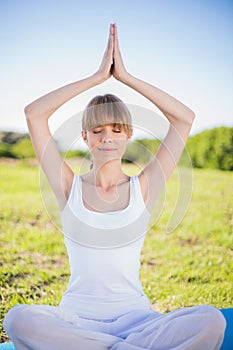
x=180, y=117
x=38, y=113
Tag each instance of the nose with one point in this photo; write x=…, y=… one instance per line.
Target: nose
x=106, y=136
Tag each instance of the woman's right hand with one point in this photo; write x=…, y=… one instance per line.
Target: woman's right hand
x=105, y=70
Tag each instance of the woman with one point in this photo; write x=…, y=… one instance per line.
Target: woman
x=105, y=214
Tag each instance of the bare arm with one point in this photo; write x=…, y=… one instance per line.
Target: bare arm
x=180, y=117
x=38, y=113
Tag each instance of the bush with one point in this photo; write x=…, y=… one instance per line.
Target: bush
x=76, y=153
x=209, y=149
x=23, y=149
x=141, y=151
x=5, y=150
x=212, y=149
x=15, y=145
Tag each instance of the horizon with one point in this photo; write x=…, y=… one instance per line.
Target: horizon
x=24, y=131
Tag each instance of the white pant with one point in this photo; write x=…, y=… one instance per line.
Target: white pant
x=44, y=327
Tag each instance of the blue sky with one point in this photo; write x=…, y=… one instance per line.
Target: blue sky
x=183, y=47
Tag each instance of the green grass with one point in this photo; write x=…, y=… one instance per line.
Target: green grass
x=191, y=265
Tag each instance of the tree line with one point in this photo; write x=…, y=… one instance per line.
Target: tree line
x=211, y=148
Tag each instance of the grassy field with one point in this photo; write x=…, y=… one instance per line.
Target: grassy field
x=191, y=265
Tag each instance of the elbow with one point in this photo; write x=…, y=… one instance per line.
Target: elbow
x=31, y=112
x=191, y=116
x=28, y=112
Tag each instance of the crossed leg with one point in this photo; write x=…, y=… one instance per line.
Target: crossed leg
x=53, y=328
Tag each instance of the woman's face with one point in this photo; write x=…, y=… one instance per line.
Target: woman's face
x=106, y=142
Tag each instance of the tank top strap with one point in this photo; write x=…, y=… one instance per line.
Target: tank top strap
x=73, y=191
x=137, y=196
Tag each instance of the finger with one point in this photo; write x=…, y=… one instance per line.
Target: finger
x=116, y=49
x=110, y=38
x=110, y=46
x=111, y=35
x=116, y=42
x=112, y=29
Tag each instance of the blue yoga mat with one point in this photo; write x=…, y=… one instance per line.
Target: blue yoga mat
x=228, y=338
x=7, y=346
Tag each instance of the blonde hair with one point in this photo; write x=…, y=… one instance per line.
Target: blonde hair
x=104, y=110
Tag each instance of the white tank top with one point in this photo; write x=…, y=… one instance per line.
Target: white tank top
x=104, y=254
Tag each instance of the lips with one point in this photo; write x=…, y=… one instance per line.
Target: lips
x=107, y=149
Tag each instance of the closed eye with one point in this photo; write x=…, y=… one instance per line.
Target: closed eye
x=114, y=130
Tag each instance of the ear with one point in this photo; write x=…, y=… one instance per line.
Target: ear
x=84, y=136
x=129, y=135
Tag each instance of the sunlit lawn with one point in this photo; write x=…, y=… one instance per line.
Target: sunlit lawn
x=190, y=265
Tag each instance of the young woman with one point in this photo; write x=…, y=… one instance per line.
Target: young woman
x=105, y=214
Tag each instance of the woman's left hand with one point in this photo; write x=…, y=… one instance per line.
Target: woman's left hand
x=119, y=71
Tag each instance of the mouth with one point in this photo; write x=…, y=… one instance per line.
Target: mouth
x=107, y=149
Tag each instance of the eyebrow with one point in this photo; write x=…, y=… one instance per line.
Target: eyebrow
x=114, y=125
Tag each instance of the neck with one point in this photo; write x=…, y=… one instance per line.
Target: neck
x=108, y=174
